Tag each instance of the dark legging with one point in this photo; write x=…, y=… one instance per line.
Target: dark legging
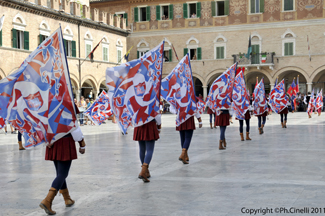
x=186, y=137
x=241, y=125
x=214, y=115
x=62, y=171
x=146, y=151
x=222, y=132
x=285, y=117
x=260, y=119
x=19, y=136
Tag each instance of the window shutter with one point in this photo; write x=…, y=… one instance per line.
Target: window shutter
x=290, y=48
x=253, y=6
x=213, y=8
x=198, y=9
x=138, y=54
x=74, y=50
x=199, y=53
x=26, y=40
x=185, y=51
x=1, y=38
x=14, y=38
x=157, y=12
x=286, y=49
x=170, y=55
x=185, y=13
x=288, y=5
x=171, y=12
x=65, y=47
x=136, y=14
x=40, y=39
x=218, y=53
x=222, y=52
x=261, y=6
x=126, y=17
x=148, y=13
x=226, y=7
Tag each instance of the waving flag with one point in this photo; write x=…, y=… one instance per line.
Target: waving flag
x=100, y=110
x=256, y=84
x=312, y=104
x=297, y=85
x=220, y=95
x=259, y=103
x=278, y=99
x=319, y=100
x=240, y=97
x=2, y=123
x=178, y=90
x=37, y=98
x=2, y=20
x=292, y=89
x=276, y=82
x=200, y=105
x=134, y=89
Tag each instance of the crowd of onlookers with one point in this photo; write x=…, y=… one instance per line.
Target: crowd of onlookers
x=83, y=105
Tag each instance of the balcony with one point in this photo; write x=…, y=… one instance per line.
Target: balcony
x=255, y=60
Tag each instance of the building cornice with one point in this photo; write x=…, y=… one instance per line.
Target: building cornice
x=61, y=16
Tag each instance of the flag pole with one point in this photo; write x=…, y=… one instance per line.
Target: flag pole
x=92, y=51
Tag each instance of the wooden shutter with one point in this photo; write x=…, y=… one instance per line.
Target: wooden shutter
x=199, y=53
x=1, y=38
x=74, y=50
x=65, y=47
x=158, y=12
x=148, y=13
x=226, y=7
x=198, y=9
x=40, y=39
x=185, y=13
x=171, y=12
x=261, y=6
x=26, y=40
x=170, y=55
x=136, y=14
x=14, y=38
x=126, y=17
x=138, y=54
x=213, y=8
x=185, y=51
x=253, y=6
x=222, y=52
x=290, y=48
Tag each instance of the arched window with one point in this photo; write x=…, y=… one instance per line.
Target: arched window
x=288, y=43
x=119, y=48
x=256, y=48
x=168, y=52
x=20, y=37
x=193, y=49
x=69, y=43
x=142, y=48
x=44, y=31
x=88, y=44
x=220, y=45
x=105, y=45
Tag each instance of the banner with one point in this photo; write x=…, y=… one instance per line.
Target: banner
x=278, y=99
x=240, y=97
x=259, y=102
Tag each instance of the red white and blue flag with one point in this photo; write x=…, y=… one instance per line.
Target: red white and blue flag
x=312, y=103
x=178, y=90
x=292, y=89
x=220, y=95
x=200, y=105
x=278, y=100
x=100, y=110
x=259, y=103
x=297, y=85
x=134, y=89
x=240, y=97
x=319, y=100
x=37, y=98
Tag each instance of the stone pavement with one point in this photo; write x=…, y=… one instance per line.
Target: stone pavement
x=281, y=168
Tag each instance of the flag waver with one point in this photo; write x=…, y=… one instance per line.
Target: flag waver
x=240, y=97
x=278, y=99
x=134, y=89
x=200, y=105
x=37, y=98
x=312, y=104
x=292, y=89
x=100, y=110
x=178, y=90
x=259, y=103
x=319, y=101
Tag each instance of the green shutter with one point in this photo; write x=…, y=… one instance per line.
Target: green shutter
x=65, y=47
x=199, y=53
x=185, y=51
x=261, y=6
x=198, y=9
x=136, y=14
x=252, y=6
x=148, y=13
x=170, y=55
x=26, y=40
x=226, y=7
x=74, y=50
x=126, y=17
x=157, y=12
x=222, y=52
x=185, y=13
x=40, y=39
x=286, y=49
x=213, y=8
x=290, y=48
x=138, y=54
x=1, y=38
x=288, y=5
x=14, y=38
x=171, y=12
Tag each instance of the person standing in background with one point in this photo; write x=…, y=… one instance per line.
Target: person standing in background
x=82, y=107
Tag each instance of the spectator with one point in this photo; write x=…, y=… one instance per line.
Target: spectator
x=82, y=108
x=88, y=105
x=193, y=15
x=194, y=57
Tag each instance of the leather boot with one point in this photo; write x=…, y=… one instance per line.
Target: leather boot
x=225, y=143
x=242, y=137
x=21, y=145
x=144, y=172
x=67, y=199
x=261, y=131
x=148, y=174
x=183, y=156
x=221, y=147
x=247, y=136
x=285, y=124
x=46, y=204
x=186, y=156
x=262, y=128
x=211, y=126
x=282, y=124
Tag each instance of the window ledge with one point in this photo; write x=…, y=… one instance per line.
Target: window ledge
x=288, y=11
x=221, y=16
x=193, y=18
x=142, y=21
x=164, y=20
x=254, y=13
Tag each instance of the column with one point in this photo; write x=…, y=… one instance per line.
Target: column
x=309, y=87
x=205, y=92
x=272, y=85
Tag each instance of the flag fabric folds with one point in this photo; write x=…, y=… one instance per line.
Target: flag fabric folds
x=178, y=90
x=319, y=101
x=100, y=110
x=127, y=55
x=259, y=102
x=278, y=99
x=297, y=85
x=292, y=89
x=37, y=99
x=134, y=89
x=220, y=95
x=312, y=104
x=249, y=47
x=200, y=105
x=256, y=84
x=276, y=82
x=2, y=20
x=240, y=97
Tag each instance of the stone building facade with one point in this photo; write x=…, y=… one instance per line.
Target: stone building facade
x=216, y=34
x=27, y=23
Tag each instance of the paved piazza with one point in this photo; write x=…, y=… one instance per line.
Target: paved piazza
x=281, y=168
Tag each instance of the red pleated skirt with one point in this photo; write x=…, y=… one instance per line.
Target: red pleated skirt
x=247, y=115
x=62, y=150
x=264, y=114
x=284, y=111
x=146, y=132
x=189, y=124
x=210, y=111
x=222, y=119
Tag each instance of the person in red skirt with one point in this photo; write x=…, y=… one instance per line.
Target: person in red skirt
x=211, y=113
x=146, y=135
x=241, y=125
x=261, y=121
x=62, y=152
x=222, y=121
x=186, y=130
